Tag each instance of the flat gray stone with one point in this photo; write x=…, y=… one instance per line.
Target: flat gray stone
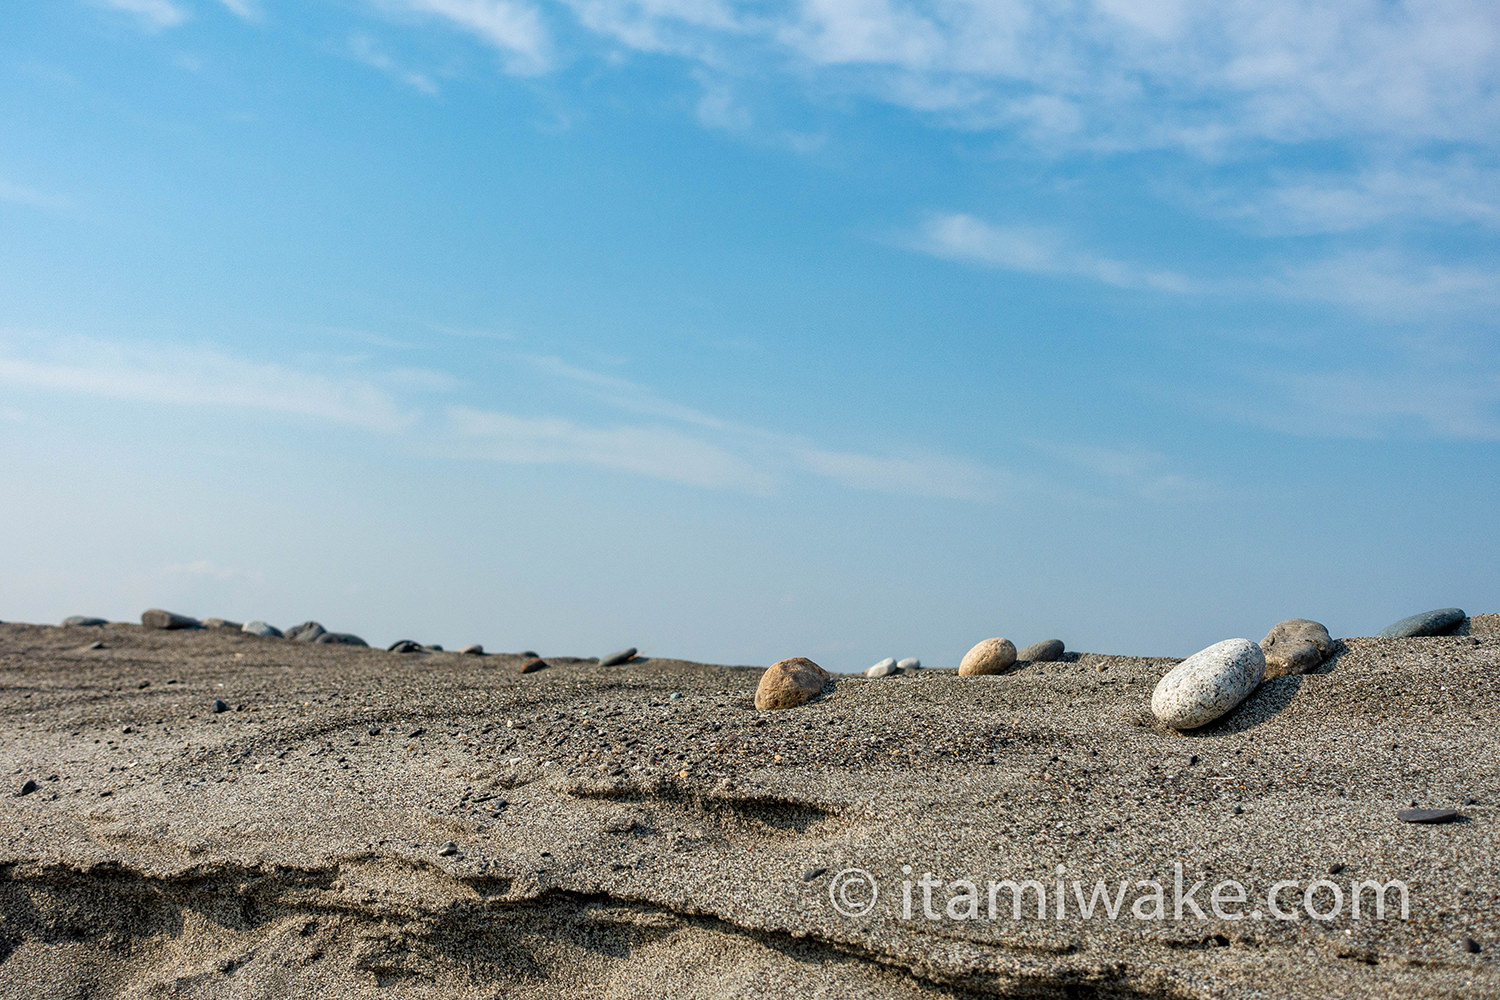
x=306, y=632
x=475, y=650
x=261, y=629
x=157, y=618
x=340, y=639
x=885, y=668
x=1046, y=651
x=1209, y=683
x=82, y=621
x=405, y=646
x=615, y=659
x=1427, y=815
x=1296, y=646
x=909, y=663
x=221, y=623
x=1439, y=622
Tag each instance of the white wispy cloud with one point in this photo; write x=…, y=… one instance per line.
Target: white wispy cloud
x=655, y=452
x=928, y=476
x=180, y=375
x=515, y=30
x=1391, y=285
x=248, y=10
x=366, y=50
x=19, y=194
x=1032, y=250
x=153, y=14
x=1139, y=472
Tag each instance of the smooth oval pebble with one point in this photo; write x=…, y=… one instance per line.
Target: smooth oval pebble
x=406, y=646
x=339, y=639
x=82, y=621
x=1428, y=623
x=1046, y=651
x=990, y=656
x=1209, y=683
x=884, y=668
x=260, y=628
x=475, y=650
x=1427, y=815
x=306, y=632
x=909, y=663
x=615, y=659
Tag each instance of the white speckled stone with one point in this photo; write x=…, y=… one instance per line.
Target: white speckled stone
x=992, y=656
x=910, y=663
x=1209, y=683
x=884, y=668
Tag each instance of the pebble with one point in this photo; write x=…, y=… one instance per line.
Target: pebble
x=530, y=654
x=813, y=873
x=221, y=623
x=1469, y=945
x=1296, y=646
x=1209, y=683
x=27, y=787
x=339, y=639
x=909, y=663
x=992, y=656
x=157, y=618
x=1437, y=622
x=534, y=664
x=220, y=706
x=615, y=659
x=1046, y=651
x=82, y=621
x=789, y=683
x=884, y=668
x=448, y=850
x=261, y=629
x=96, y=644
x=475, y=650
x=306, y=632
x=405, y=646
x=1427, y=815
x=675, y=696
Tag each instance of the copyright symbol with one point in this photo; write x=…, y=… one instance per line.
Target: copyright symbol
x=853, y=892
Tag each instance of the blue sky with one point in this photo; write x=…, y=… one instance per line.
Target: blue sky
x=840, y=328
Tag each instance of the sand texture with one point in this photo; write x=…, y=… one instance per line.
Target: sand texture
x=357, y=823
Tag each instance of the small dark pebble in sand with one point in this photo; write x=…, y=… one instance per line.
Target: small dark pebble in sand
x=1469, y=945
x=220, y=706
x=1336, y=868
x=615, y=659
x=813, y=873
x=448, y=850
x=415, y=733
x=532, y=665
x=96, y=644
x=27, y=787
x=374, y=730
x=1427, y=815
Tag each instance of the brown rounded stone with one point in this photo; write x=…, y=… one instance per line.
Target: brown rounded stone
x=992, y=656
x=1296, y=646
x=789, y=683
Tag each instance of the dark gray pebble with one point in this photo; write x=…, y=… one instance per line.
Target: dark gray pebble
x=615, y=659
x=1428, y=623
x=27, y=787
x=83, y=621
x=157, y=618
x=220, y=706
x=1046, y=651
x=1469, y=945
x=532, y=665
x=306, y=632
x=448, y=850
x=340, y=639
x=405, y=646
x=813, y=873
x=1427, y=815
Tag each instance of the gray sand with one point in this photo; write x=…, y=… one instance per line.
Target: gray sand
x=612, y=841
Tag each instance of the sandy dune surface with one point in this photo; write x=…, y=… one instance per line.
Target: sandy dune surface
x=357, y=823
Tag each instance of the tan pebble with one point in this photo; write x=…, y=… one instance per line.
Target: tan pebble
x=992, y=656
x=789, y=683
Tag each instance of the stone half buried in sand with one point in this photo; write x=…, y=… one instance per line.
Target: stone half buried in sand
x=789, y=683
x=1046, y=651
x=83, y=621
x=884, y=668
x=261, y=629
x=616, y=659
x=339, y=639
x=1428, y=623
x=1296, y=646
x=992, y=656
x=306, y=632
x=157, y=618
x=1209, y=683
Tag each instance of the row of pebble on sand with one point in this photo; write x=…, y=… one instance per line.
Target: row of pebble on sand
x=313, y=632
x=1194, y=693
